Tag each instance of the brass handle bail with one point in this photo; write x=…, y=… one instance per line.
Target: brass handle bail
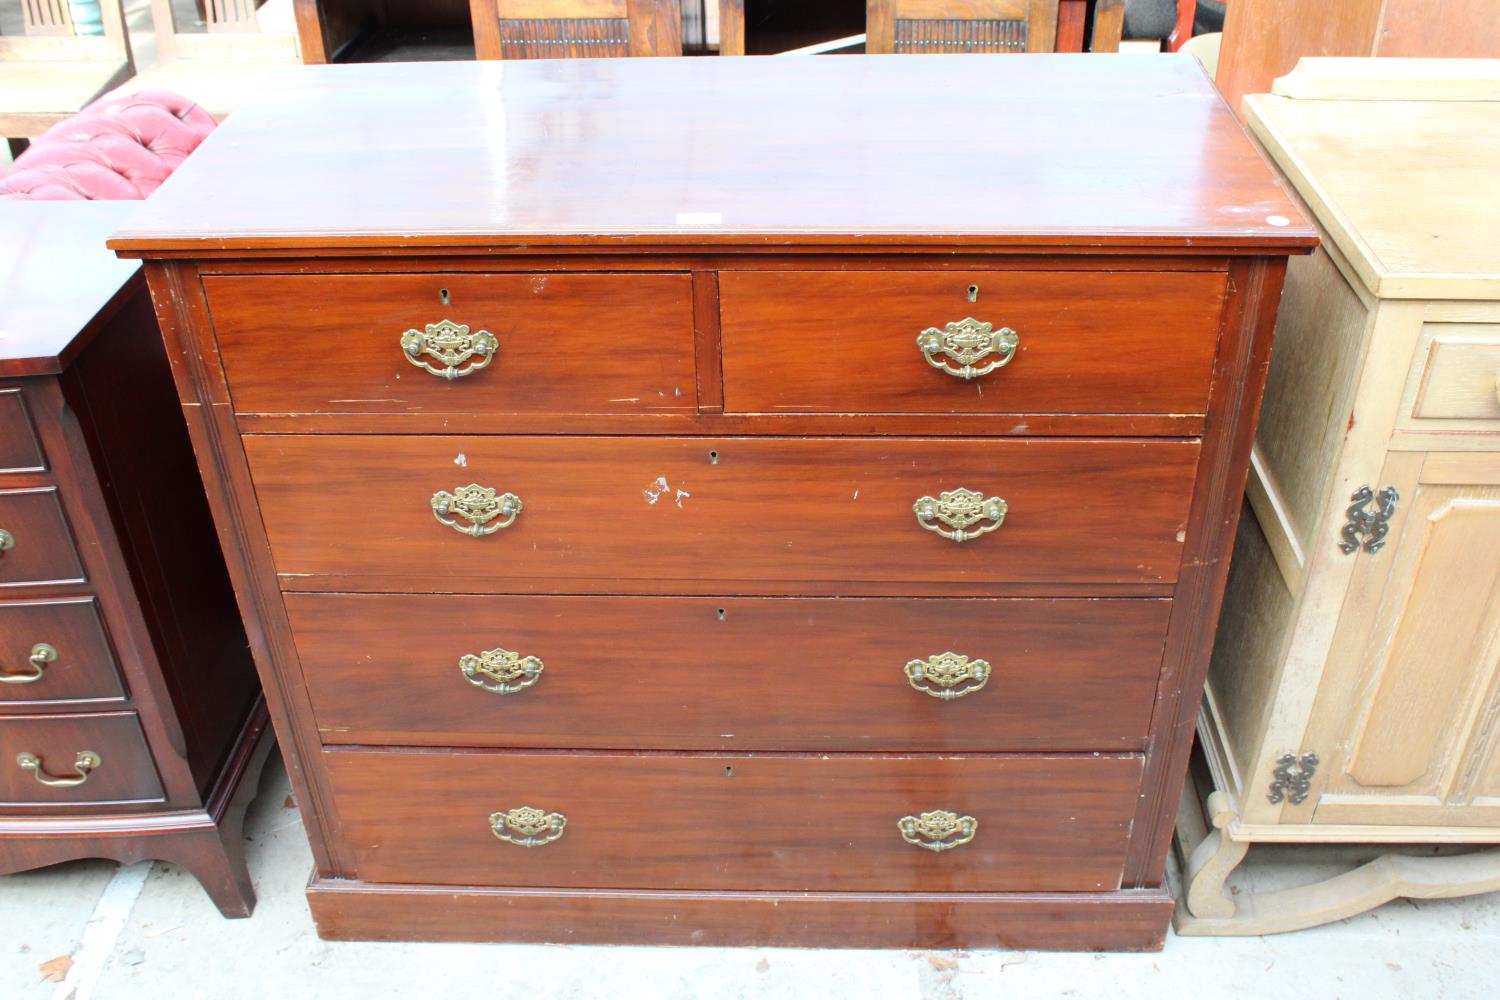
x=41, y=655
x=938, y=830
x=967, y=343
x=451, y=344
x=83, y=765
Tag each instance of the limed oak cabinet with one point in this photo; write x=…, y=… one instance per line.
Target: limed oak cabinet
x=131, y=720
x=733, y=501
x=1355, y=689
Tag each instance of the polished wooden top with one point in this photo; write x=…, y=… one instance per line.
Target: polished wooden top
x=867, y=151
x=56, y=277
x=1400, y=161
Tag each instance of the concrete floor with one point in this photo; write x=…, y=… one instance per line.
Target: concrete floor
x=171, y=942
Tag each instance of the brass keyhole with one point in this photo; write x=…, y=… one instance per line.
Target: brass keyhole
x=713, y=458
x=443, y=294
x=721, y=614
x=973, y=293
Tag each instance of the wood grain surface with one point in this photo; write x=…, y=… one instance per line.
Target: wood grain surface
x=1090, y=341
x=332, y=343
x=20, y=451
x=737, y=822
x=744, y=152
x=720, y=673
x=702, y=515
x=42, y=550
x=84, y=669
x=1132, y=920
x=125, y=773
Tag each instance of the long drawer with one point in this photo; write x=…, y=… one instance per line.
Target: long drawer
x=378, y=513
x=456, y=343
x=36, y=545
x=55, y=649
x=1084, y=341
x=730, y=673
x=62, y=760
x=731, y=822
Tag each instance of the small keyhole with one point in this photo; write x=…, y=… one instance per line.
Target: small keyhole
x=973, y=293
x=728, y=772
x=443, y=294
x=713, y=458
x=721, y=614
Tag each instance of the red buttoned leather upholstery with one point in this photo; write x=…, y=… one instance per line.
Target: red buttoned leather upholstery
x=119, y=148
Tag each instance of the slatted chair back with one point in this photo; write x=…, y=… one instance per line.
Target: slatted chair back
x=576, y=29
x=231, y=31
x=48, y=33
x=947, y=26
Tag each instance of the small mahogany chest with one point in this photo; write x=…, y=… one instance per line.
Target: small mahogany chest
x=730, y=501
x=131, y=722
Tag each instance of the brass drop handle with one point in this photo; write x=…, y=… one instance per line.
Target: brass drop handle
x=938, y=830
x=83, y=764
x=526, y=826
x=7, y=540
x=501, y=671
x=967, y=343
x=948, y=675
x=451, y=344
x=41, y=655
x=470, y=510
x=954, y=514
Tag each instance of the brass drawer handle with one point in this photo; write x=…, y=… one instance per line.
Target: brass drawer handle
x=501, y=671
x=967, y=343
x=83, y=764
x=452, y=344
x=960, y=510
x=7, y=540
x=939, y=830
x=41, y=655
x=941, y=675
x=528, y=827
x=477, y=505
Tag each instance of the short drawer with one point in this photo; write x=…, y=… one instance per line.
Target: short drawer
x=20, y=451
x=1458, y=374
x=1088, y=341
x=731, y=822
x=714, y=513
x=61, y=760
x=474, y=343
x=35, y=543
x=730, y=673
x=55, y=650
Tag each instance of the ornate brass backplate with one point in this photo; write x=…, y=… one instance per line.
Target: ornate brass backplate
x=7, y=540
x=526, y=826
x=84, y=762
x=474, y=507
x=948, y=675
x=451, y=344
x=501, y=671
x=938, y=830
x=41, y=655
x=960, y=510
x=968, y=342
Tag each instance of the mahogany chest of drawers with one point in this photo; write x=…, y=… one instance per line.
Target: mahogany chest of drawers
x=131, y=721
x=750, y=502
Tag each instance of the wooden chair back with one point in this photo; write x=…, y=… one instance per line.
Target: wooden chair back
x=231, y=32
x=48, y=35
x=912, y=26
x=576, y=29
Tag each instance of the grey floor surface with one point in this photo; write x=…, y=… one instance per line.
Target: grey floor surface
x=174, y=944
